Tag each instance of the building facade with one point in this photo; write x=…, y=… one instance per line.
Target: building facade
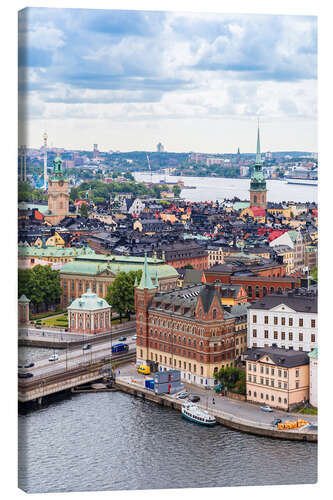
x=89, y=314
x=187, y=329
x=277, y=377
x=289, y=321
x=313, y=399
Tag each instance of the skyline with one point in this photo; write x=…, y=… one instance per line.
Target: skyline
x=195, y=82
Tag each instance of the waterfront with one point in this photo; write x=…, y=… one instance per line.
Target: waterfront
x=127, y=443
x=220, y=188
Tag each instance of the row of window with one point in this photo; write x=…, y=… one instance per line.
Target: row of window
x=267, y=397
x=189, y=342
x=182, y=352
x=268, y=369
x=271, y=382
x=283, y=335
x=283, y=321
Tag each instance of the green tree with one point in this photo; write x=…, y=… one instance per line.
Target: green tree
x=232, y=378
x=188, y=266
x=74, y=194
x=84, y=210
x=120, y=294
x=41, y=285
x=176, y=190
x=314, y=273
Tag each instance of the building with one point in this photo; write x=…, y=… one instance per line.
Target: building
x=181, y=253
x=23, y=310
x=288, y=320
x=58, y=196
x=89, y=314
x=50, y=254
x=97, y=272
x=215, y=255
x=258, y=190
x=239, y=312
x=277, y=377
x=313, y=397
x=187, y=329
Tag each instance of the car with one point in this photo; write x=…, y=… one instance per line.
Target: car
x=134, y=337
x=29, y=365
x=276, y=421
x=193, y=398
x=86, y=346
x=313, y=427
x=182, y=395
x=266, y=408
x=123, y=338
x=25, y=374
x=54, y=357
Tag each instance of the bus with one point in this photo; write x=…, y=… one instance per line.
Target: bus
x=119, y=348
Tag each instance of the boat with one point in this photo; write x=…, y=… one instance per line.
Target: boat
x=191, y=412
x=302, y=182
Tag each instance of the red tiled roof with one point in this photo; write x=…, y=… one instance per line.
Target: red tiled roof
x=258, y=211
x=275, y=234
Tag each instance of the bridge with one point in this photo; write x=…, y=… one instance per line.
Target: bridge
x=75, y=367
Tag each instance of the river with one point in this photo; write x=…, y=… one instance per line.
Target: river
x=218, y=188
x=113, y=441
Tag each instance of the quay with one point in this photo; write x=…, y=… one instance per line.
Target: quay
x=228, y=420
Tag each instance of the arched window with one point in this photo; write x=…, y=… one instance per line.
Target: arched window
x=279, y=290
x=255, y=198
x=257, y=291
x=264, y=290
x=249, y=291
x=272, y=289
x=214, y=313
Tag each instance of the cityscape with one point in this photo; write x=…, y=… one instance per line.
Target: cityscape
x=165, y=292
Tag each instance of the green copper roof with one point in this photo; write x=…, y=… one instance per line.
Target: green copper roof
x=240, y=205
x=258, y=155
x=89, y=302
x=43, y=209
x=95, y=264
x=313, y=353
x=57, y=172
x=258, y=181
x=146, y=282
x=23, y=298
x=50, y=251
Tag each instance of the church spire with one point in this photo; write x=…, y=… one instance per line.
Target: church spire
x=258, y=155
x=146, y=282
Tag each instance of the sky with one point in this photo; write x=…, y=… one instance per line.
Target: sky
x=127, y=80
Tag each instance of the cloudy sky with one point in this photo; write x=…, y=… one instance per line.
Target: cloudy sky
x=195, y=82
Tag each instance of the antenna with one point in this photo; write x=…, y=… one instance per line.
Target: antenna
x=151, y=173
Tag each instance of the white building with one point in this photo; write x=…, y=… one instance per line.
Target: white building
x=289, y=321
x=313, y=397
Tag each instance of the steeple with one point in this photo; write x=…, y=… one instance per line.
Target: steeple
x=146, y=282
x=258, y=155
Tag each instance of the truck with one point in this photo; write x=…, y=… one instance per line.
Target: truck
x=119, y=348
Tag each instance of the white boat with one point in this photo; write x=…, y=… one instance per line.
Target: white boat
x=191, y=412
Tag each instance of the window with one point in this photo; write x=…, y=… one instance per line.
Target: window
x=262, y=396
x=300, y=337
x=249, y=393
x=285, y=401
x=267, y=397
x=279, y=400
x=283, y=335
x=275, y=335
x=279, y=385
x=255, y=379
x=255, y=394
x=300, y=348
x=313, y=338
x=254, y=317
x=250, y=378
x=254, y=333
x=261, y=380
x=214, y=313
x=285, y=373
x=272, y=383
x=283, y=321
x=272, y=372
x=313, y=323
x=257, y=292
x=249, y=366
x=261, y=369
x=285, y=385
x=267, y=370
x=275, y=320
x=290, y=335
x=290, y=322
x=254, y=368
x=300, y=322
x=272, y=398
x=266, y=320
x=266, y=334
x=297, y=385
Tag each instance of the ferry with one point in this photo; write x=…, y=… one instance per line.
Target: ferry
x=191, y=412
x=302, y=182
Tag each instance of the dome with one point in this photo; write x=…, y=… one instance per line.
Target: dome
x=89, y=301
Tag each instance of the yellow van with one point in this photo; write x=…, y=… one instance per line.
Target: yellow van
x=144, y=369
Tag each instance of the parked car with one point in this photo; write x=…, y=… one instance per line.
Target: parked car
x=54, y=357
x=182, y=395
x=266, y=408
x=193, y=398
x=29, y=365
x=123, y=338
x=276, y=421
x=25, y=374
x=86, y=346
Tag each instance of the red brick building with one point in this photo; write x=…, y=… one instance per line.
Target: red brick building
x=187, y=329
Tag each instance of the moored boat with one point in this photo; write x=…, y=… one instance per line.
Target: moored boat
x=191, y=412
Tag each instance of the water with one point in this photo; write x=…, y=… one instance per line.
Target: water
x=212, y=188
x=113, y=441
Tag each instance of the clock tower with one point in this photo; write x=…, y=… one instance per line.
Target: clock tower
x=258, y=190
x=58, y=197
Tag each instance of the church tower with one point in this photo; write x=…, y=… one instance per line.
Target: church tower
x=143, y=294
x=58, y=196
x=258, y=190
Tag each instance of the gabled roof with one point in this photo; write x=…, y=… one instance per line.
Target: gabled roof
x=287, y=358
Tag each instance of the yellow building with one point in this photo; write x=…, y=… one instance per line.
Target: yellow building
x=284, y=211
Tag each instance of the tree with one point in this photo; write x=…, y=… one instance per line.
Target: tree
x=176, y=190
x=120, y=294
x=232, y=378
x=314, y=273
x=84, y=210
x=41, y=285
x=188, y=266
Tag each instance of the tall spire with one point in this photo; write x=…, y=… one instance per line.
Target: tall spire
x=146, y=282
x=258, y=155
